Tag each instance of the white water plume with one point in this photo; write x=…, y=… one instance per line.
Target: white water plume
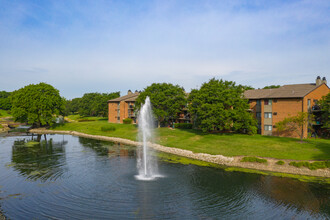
x=146, y=164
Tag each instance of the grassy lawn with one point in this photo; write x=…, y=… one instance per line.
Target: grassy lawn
x=94, y=128
x=225, y=144
x=78, y=117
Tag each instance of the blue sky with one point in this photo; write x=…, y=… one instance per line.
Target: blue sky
x=106, y=46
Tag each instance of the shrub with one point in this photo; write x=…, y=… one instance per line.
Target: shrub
x=311, y=166
x=127, y=121
x=183, y=125
x=85, y=119
x=108, y=128
x=280, y=162
x=253, y=159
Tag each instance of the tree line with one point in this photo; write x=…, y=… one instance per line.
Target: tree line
x=217, y=105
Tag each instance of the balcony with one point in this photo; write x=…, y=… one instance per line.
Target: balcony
x=315, y=108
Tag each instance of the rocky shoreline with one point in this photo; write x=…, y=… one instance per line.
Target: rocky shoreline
x=217, y=159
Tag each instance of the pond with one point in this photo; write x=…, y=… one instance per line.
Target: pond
x=67, y=177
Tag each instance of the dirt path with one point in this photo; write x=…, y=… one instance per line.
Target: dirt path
x=218, y=159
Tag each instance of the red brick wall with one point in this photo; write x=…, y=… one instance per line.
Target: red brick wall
x=112, y=112
x=285, y=108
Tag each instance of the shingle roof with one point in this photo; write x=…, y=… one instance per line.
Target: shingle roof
x=286, y=91
x=127, y=98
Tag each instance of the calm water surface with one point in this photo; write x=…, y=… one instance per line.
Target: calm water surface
x=69, y=177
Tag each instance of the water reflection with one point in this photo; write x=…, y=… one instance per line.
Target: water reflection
x=293, y=193
x=110, y=149
x=97, y=182
x=38, y=159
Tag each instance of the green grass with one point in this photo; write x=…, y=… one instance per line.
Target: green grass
x=80, y=118
x=311, y=166
x=224, y=144
x=108, y=128
x=253, y=159
x=280, y=162
x=95, y=128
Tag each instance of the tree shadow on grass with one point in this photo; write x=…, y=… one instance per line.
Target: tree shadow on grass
x=325, y=148
x=200, y=132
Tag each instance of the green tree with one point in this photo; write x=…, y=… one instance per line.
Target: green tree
x=38, y=104
x=219, y=105
x=325, y=114
x=272, y=87
x=5, y=102
x=295, y=124
x=95, y=104
x=166, y=99
x=72, y=106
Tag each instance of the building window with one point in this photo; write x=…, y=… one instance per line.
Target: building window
x=258, y=114
x=268, y=102
x=268, y=127
x=268, y=115
x=258, y=102
x=308, y=103
x=275, y=113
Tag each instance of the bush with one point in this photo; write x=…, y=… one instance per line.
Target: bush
x=127, y=121
x=183, y=125
x=108, y=128
x=280, y=162
x=311, y=166
x=253, y=159
x=85, y=119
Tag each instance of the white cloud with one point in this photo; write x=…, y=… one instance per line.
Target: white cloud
x=108, y=47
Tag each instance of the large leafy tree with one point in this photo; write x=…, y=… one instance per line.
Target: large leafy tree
x=272, y=87
x=37, y=104
x=219, y=105
x=166, y=99
x=95, y=104
x=5, y=102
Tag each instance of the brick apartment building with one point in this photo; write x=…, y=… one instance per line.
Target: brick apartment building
x=270, y=106
x=122, y=107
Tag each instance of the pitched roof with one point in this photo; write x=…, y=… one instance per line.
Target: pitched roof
x=286, y=91
x=127, y=98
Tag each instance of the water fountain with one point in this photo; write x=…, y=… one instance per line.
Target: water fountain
x=147, y=165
